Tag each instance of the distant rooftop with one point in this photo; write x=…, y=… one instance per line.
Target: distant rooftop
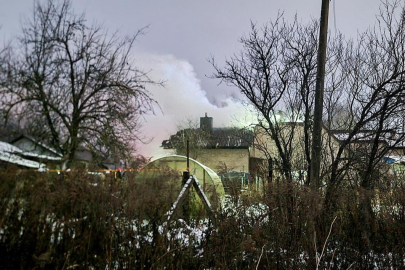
x=219, y=138
x=12, y=154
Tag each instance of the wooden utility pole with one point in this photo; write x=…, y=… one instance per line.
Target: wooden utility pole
x=318, y=110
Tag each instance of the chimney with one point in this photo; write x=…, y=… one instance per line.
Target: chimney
x=206, y=123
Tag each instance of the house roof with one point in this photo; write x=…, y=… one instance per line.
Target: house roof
x=365, y=135
x=392, y=139
x=38, y=156
x=225, y=138
x=11, y=154
x=36, y=142
x=9, y=148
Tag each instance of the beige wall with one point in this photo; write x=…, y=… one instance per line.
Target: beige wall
x=397, y=152
x=235, y=159
x=265, y=147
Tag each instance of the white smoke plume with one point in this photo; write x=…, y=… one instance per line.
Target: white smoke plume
x=180, y=99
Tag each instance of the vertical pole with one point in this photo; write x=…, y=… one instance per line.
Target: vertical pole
x=186, y=176
x=315, y=165
x=320, y=81
x=204, y=180
x=243, y=176
x=186, y=200
x=188, y=155
x=270, y=176
x=257, y=183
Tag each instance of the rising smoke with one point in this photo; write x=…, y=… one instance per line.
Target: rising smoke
x=181, y=99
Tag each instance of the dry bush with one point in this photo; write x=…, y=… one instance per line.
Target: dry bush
x=77, y=220
x=60, y=221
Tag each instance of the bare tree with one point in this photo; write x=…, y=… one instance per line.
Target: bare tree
x=277, y=70
x=189, y=129
x=374, y=84
x=75, y=82
x=364, y=95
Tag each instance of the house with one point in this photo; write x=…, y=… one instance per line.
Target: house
x=35, y=150
x=221, y=149
x=255, y=152
x=391, y=142
x=245, y=151
x=295, y=144
x=31, y=145
x=12, y=155
x=390, y=150
x=83, y=157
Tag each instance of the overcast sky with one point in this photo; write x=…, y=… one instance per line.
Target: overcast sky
x=182, y=35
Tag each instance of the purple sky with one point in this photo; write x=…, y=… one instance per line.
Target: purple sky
x=182, y=35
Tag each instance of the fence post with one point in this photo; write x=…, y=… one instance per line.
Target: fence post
x=186, y=199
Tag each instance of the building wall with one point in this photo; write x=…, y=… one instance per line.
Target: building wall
x=292, y=134
x=397, y=152
x=83, y=155
x=234, y=159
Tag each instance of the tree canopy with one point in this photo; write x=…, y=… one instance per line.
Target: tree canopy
x=74, y=83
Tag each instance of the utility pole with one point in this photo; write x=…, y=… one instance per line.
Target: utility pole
x=318, y=110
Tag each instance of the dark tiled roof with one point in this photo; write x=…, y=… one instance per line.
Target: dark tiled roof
x=225, y=138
